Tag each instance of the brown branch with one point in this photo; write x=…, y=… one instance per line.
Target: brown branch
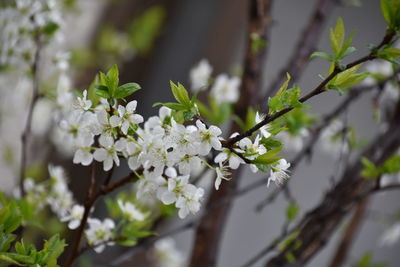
x=353, y=95
x=210, y=229
x=89, y=202
x=318, y=225
x=305, y=45
x=349, y=235
x=28, y=124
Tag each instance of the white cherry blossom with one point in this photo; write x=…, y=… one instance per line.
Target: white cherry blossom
x=189, y=201
x=200, y=75
x=84, y=103
x=100, y=233
x=226, y=89
x=130, y=211
x=107, y=153
x=206, y=138
x=278, y=173
x=264, y=129
x=74, y=217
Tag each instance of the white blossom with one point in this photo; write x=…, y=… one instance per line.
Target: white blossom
x=200, y=75
x=222, y=174
x=278, y=173
x=84, y=103
x=100, y=233
x=226, y=89
x=189, y=201
x=74, y=217
x=264, y=129
x=83, y=153
x=131, y=211
x=127, y=116
x=227, y=155
x=252, y=150
x=167, y=254
x=206, y=138
x=107, y=153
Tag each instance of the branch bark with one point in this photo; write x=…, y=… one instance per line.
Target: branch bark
x=210, y=229
x=318, y=225
x=349, y=235
x=305, y=45
x=28, y=124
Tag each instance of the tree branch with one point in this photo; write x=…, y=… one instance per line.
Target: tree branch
x=89, y=202
x=349, y=235
x=318, y=225
x=316, y=91
x=28, y=124
x=210, y=229
x=305, y=45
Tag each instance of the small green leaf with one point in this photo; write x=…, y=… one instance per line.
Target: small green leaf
x=337, y=36
x=126, y=90
x=112, y=79
x=269, y=157
x=173, y=106
x=391, y=165
x=322, y=55
x=386, y=11
x=370, y=171
x=180, y=93
x=292, y=211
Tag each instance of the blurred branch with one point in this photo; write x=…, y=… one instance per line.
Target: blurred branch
x=352, y=96
x=350, y=233
x=211, y=226
x=210, y=229
x=305, y=45
x=28, y=124
x=91, y=198
x=316, y=91
x=319, y=224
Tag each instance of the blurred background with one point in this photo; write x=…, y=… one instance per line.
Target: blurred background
x=154, y=41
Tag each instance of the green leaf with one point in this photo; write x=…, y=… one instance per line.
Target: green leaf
x=391, y=165
x=180, y=93
x=348, y=51
x=370, y=171
x=386, y=11
x=102, y=91
x=285, y=98
x=18, y=259
x=128, y=242
x=5, y=241
x=112, y=79
x=337, y=36
x=322, y=55
x=292, y=211
x=269, y=157
x=53, y=248
x=173, y=106
x=289, y=256
x=126, y=90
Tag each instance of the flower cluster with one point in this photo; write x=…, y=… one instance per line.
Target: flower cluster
x=159, y=149
x=21, y=20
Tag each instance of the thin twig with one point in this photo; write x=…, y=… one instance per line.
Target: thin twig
x=305, y=45
x=348, y=236
x=354, y=94
x=316, y=91
x=28, y=125
x=90, y=200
